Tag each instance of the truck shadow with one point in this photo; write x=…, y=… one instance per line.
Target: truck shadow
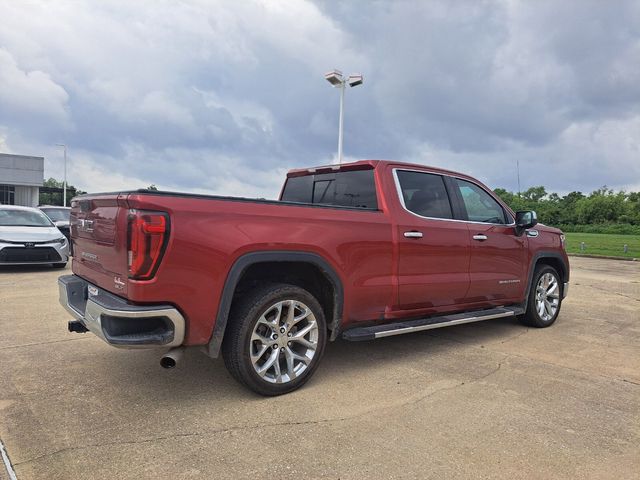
x=344, y=356
x=198, y=376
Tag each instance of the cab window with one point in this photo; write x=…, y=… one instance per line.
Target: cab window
x=480, y=206
x=355, y=188
x=424, y=194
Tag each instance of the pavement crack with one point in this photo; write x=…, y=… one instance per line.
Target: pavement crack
x=514, y=337
x=42, y=343
x=630, y=381
x=167, y=437
x=260, y=425
x=453, y=387
x=530, y=359
x=612, y=293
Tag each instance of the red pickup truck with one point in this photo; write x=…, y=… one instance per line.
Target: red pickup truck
x=359, y=251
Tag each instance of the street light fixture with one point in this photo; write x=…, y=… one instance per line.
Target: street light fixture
x=336, y=79
x=355, y=80
x=64, y=184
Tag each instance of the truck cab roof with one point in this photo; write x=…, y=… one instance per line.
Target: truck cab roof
x=367, y=164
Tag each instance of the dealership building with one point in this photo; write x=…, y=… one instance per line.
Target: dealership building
x=21, y=177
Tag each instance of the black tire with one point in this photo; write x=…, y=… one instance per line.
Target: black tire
x=532, y=317
x=238, y=345
x=59, y=265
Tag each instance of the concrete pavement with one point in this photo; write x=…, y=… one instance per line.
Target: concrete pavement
x=486, y=400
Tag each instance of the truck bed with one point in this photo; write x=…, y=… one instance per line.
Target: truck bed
x=209, y=233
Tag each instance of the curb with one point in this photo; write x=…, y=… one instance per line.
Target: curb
x=7, y=463
x=605, y=257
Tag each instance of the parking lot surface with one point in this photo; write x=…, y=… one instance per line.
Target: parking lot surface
x=487, y=400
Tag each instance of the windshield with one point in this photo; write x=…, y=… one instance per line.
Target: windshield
x=23, y=218
x=57, y=214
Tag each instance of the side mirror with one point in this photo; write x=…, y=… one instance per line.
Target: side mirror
x=524, y=220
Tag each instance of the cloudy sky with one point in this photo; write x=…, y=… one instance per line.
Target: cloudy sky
x=223, y=96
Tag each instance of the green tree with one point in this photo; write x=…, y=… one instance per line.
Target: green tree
x=534, y=194
x=57, y=198
x=600, y=210
x=602, y=206
x=511, y=199
x=632, y=208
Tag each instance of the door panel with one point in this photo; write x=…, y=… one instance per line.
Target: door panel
x=497, y=263
x=433, y=270
x=496, y=270
x=433, y=253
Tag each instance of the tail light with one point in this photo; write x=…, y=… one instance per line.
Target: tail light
x=148, y=233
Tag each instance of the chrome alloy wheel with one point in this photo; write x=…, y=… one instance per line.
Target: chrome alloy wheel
x=547, y=296
x=284, y=341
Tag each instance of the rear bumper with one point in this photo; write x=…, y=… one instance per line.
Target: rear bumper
x=565, y=289
x=117, y=322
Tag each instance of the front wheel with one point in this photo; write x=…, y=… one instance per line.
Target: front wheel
x=275, y=339
x=545, y=298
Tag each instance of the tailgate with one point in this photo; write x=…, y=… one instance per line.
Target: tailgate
x=99, y=234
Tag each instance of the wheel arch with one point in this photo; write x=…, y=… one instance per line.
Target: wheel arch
x=553, y=259
x=305, y=269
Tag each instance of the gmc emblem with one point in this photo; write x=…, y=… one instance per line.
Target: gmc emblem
x=86, y=225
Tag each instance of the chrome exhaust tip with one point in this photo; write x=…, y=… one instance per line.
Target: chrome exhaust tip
x=172, y=357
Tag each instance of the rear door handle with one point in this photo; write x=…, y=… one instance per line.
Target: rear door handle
x=480, y=237
x=413, y=234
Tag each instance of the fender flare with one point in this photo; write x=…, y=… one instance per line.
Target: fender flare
x=245, y=261
x=532, y=267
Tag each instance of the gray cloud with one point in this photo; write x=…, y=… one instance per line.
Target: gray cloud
x=208, y=96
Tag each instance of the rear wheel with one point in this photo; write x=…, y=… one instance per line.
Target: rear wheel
x=545, y=298
x=275, y=339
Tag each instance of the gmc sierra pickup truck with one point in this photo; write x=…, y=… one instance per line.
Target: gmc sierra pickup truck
x=359, y=251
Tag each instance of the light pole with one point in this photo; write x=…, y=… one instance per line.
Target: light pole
x=518, y=170
x=64, y=183
x=336, y=79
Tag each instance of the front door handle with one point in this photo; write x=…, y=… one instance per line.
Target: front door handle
x=413, y=234
x=480, y=237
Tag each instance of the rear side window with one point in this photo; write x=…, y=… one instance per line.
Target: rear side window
x=481, y=207
x=355, y=188
x=424, y=194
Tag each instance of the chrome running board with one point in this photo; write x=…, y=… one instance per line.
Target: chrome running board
x=359, y=334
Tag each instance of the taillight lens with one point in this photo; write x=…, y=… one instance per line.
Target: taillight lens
x=148, y=233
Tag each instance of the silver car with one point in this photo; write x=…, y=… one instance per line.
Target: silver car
x=28, y=237
x=60, y=216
